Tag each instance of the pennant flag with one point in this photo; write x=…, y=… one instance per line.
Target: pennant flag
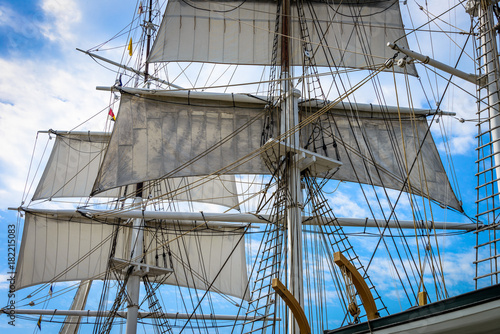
x=130, y=47
x=112, y=115
x=51, y=290
x=141, y=10
x=39, y=323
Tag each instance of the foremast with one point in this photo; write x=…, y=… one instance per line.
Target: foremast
x=136, y=246
x=134, y=281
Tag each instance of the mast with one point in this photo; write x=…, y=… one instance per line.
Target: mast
x=149, y=28
x=289, y=121
x=134, y=281
x=136, y=242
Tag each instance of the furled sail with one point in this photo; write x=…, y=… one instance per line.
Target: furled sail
x=74, y=163
x=56, y=249
x=165, y=135
x=353, y=33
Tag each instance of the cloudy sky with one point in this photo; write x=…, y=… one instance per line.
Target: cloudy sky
x=46, y=84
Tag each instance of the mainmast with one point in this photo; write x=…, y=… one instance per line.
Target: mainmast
x=289, y=122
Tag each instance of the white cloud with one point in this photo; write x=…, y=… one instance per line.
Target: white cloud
x=7, y=17
x=344, y=205
x=4, y=284
x=36, y=98
x=52, y=90
x=26, y=26
x=457, y=266
x=459, y=145
x=64, y=15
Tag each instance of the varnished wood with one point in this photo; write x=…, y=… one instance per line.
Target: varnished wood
x=293, y=305
x=360, y=285
x=422, y=298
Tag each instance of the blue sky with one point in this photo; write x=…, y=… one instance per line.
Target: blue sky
x=45, y=83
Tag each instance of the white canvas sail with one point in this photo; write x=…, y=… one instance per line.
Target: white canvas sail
x=74, y=163
x=382, y=148
x=72, y=323
x=157, y=137
x=164, y=136
x=56, y=249
x=242, y=32
x=72, y=166
x=191, y=146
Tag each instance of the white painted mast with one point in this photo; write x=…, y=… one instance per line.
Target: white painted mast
x=134, y=281
x=294, y=204
x=136, y=242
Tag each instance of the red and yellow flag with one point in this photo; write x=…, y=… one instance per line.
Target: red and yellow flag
x=112, y=114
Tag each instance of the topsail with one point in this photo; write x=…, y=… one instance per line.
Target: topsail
x=342, y=33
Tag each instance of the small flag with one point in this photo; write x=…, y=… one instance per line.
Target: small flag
x=130, y=47
x=112, y=115
x=39, y=323
x=118, y=82
x=51, y=290
x=141, y=10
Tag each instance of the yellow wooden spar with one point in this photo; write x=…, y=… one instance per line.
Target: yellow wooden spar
x=293, y=305
x=360, y=285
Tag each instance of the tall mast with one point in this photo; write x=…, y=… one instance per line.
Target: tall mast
x=289, y=120
x=285, y=34
x=134, y=281
x=136, y=242
x=149, y=29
